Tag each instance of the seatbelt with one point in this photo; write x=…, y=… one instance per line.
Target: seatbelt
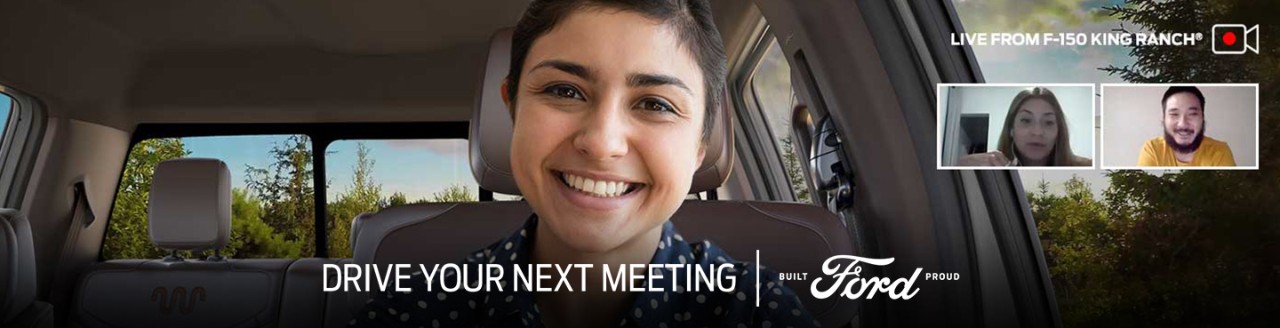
x=82, y=216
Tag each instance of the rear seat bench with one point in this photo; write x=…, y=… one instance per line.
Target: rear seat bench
x=190, y=209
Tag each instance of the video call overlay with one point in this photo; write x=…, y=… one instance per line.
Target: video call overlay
x=1097, y=126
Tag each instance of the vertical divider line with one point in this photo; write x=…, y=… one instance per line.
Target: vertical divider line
x=758, y=273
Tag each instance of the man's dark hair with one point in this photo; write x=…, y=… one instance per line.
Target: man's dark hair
x=1180, y=89
x=690, y=20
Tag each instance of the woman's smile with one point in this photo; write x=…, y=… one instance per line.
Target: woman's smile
x=597, y=192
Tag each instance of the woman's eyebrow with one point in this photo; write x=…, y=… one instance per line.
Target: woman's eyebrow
x=1029, y=112
x=638, y=80
x=567, y=67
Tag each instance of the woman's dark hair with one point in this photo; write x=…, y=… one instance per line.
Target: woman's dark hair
x=690, y=20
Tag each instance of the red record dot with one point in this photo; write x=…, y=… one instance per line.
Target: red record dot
x=1229, y=38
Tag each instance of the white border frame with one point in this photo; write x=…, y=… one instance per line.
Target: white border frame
x=1256, y=122
x=1093, y=120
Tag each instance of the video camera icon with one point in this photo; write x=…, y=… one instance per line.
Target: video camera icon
x=1234, y=39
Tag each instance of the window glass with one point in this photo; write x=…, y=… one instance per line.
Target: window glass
x=369, y=175
x=6, y=109
x=771, y=84
x=272, y=197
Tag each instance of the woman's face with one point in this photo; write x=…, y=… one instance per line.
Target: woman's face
x=1035, y=130
x=608, y=126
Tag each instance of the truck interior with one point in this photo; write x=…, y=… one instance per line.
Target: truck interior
x=90, y=81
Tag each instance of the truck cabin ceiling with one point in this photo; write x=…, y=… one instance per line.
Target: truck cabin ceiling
x=120, y=63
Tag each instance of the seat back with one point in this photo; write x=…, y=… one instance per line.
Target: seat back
x=18, y=304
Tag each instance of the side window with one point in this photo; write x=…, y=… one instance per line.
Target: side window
x=6, y=110
x=272, y=198
x=770, y=84
x=369, y=175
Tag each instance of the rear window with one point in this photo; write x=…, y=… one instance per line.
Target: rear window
x=273, y=196
x=369, y=175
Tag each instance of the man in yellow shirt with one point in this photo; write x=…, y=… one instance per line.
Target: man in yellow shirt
x=1184, y=143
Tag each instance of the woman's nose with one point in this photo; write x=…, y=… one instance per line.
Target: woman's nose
x=1037, y=130
x=603, y=134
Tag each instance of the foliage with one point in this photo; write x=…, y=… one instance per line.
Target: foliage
x=454, y=193
x=1187, y=249
x=363, y=196
x=287, y=192
x=795, y=174
x=253, y=238
x=128, y=235
x=1079, y=245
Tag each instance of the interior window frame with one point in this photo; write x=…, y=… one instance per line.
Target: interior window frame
x=20, y=138
x=760, y=153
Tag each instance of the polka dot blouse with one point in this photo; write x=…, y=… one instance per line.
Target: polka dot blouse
x=674, y=307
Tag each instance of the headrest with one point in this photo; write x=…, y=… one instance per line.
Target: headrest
x=491, y=128
x=190, y=204
x=17, y=264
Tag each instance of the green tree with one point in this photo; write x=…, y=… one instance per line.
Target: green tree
x=454, y=193
x=286, y=190
x=397, y=199
x=1079, y=245
x=253, y=238
x=1181, y=249
x=128, y=235
x=365, y=195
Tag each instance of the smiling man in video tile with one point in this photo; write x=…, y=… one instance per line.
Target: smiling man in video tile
x=1184, y=142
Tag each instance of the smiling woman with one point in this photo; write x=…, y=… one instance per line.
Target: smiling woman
x=612, y=104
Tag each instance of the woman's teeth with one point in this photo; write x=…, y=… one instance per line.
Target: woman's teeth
x=594, y=187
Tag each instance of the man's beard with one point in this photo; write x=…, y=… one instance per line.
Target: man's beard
x=1195, y=144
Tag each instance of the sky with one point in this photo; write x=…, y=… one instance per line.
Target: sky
x=5, y=108
x=417, y=168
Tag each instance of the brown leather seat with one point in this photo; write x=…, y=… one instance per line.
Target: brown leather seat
x=792, y=237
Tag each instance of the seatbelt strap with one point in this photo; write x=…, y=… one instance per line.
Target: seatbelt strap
x=82, y=216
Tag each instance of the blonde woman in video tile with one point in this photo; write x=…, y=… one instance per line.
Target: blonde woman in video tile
x=1035, y=134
